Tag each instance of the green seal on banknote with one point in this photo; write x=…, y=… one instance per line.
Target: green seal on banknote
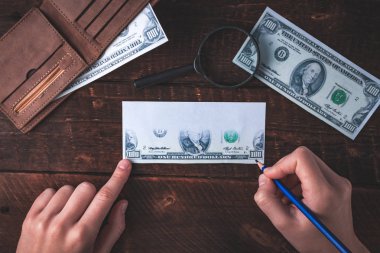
x=231, y=136
x=339, y=97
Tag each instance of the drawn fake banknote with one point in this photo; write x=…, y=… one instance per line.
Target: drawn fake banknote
x=193, y=132
x=311, y=74
x=142, y=35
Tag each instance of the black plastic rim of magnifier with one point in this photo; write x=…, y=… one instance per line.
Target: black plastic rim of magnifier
x=198, y=66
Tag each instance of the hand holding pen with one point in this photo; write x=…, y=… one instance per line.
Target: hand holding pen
x=326, y=194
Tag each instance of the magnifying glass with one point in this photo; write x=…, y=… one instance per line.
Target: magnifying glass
x=215, y=60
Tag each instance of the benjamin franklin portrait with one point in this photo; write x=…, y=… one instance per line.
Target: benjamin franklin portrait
x=308, y=77
x=250, y=51
x=194, y=142
x=370, y=101
x=258, y=140
x=130, y=140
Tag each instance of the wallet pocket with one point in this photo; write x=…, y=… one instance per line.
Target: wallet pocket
x=93, y=24
x=106, y=17
x=37, y=64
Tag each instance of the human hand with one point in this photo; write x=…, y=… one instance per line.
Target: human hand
x=70, y=220
x=327, y=195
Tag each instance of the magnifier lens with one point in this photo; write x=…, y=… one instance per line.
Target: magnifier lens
x=216, y=60
x=219, y=51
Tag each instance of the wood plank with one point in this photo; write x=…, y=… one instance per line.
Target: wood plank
x=339, y=24
x=190, y=208
x=88, y=139
x=179, y=214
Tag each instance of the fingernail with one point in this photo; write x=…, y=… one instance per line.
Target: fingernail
x=123, y=165
x=262, y=179
x=267, y=169
x=124, y=206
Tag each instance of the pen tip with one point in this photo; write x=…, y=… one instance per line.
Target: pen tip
x=259, y=164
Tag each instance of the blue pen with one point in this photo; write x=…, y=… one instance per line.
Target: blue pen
x=308, y=213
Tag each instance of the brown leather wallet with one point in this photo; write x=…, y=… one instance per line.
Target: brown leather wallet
x=49, y=47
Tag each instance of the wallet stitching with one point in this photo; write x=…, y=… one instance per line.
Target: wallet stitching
x=60, y=89
x=5, y=36
x=25, y=18
x=20, y=124
x=49, y=98
x=124, y=24
x=99, y=49
x=37, y=119
x=16, y=25
x=39, y=80
x=113, y=35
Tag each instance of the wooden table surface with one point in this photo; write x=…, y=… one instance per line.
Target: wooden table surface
x=194, y=208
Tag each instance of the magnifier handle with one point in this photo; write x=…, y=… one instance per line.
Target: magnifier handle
x=163, y=76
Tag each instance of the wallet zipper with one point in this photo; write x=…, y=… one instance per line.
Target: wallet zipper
x=38, y=90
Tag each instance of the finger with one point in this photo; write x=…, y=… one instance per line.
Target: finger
x=103, y=200
x=290, y=181
x=78, y=202
x=327, y=172
x=41, y=202
x=296, y=190
x=58, y=201
x=302, y=163
x=265, y=197
x=113, y=229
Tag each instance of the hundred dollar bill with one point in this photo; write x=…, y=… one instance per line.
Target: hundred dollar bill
x=143, y=34
x=311, y=74
x=193, y=132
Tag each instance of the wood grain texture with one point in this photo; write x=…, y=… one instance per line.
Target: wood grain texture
x=179, y=214
x=84, y=133
x=194, y=208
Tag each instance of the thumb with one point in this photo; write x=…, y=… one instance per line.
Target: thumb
x=271, y=204
x=113, y=229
